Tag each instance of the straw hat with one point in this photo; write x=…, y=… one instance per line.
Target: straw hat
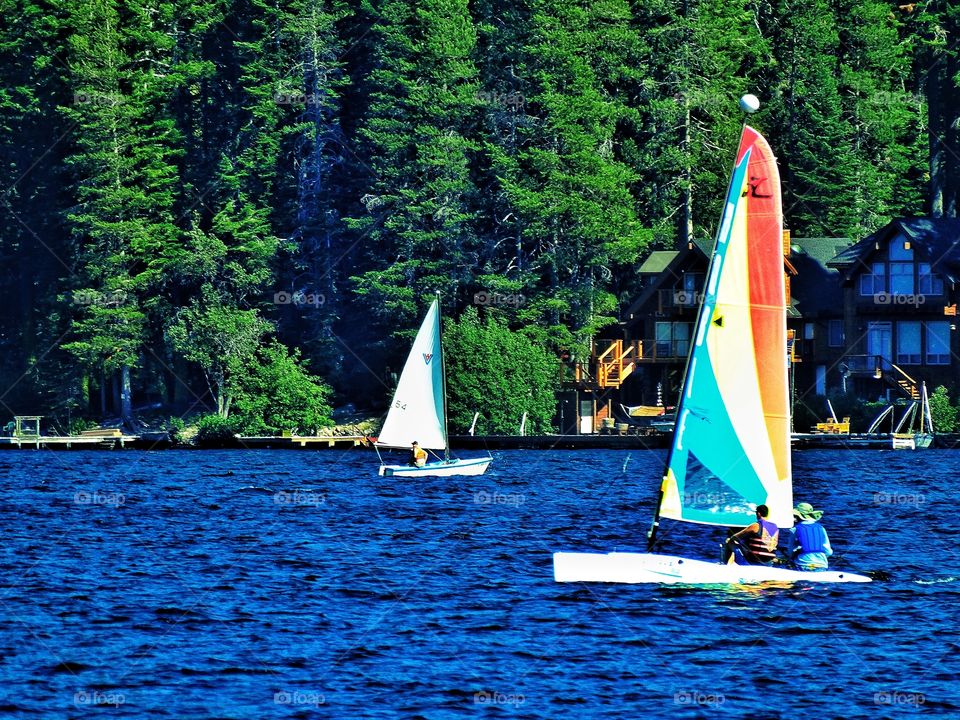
x=805, y=511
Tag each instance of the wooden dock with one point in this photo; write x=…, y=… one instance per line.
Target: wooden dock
x=104, y=439
x=115, y=439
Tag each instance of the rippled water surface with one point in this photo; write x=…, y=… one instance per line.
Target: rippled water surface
x=247, y=584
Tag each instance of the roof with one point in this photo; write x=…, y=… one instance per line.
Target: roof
x=662, y=266
x=938, y=239
x=815, y=290
x=658, y=261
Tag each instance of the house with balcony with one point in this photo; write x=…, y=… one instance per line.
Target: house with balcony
x=876, y=318
x=640, y=361
x=898, y=327
x=816, y=318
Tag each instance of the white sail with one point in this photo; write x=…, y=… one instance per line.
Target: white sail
x=416, y=412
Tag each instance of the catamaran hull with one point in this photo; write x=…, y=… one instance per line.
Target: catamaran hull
x=619, y=567
x=475, y=466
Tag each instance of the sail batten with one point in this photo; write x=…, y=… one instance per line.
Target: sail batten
x=731, y=449
x=417, y=410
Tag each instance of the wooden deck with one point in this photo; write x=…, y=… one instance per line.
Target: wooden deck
x=110, y=440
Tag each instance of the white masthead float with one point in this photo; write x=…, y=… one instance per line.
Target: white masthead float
x=731, y=445
x=419, y=408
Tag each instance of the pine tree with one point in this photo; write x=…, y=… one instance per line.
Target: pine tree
x=125, y=175
x=569, y=189
x=419, y=223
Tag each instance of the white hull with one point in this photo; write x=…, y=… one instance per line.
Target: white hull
x=620, y=567
x=474, y=466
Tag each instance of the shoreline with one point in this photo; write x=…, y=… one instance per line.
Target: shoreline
x=154, y=441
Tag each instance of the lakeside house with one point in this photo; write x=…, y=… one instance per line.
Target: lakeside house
x=876, y=317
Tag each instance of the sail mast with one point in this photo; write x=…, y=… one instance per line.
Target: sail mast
x=443, y=381
x=655, y=525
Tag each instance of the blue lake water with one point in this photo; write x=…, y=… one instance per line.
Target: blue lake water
x=255, y=584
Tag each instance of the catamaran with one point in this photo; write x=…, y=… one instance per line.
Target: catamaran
x=731, y=445
x=418, y=412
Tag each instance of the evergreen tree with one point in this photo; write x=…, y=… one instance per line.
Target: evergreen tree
x=570, y=192
x=419, y=226
x=500, y=374
x=125, y=174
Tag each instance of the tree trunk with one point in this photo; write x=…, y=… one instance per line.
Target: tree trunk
x=936, y=139
x=115, y=386
x=126, y=405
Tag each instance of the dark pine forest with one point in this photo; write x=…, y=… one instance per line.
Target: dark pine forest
x=243, y=207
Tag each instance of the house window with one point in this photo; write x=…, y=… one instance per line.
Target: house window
x=901, y=278
x=692, y=281
x=689, y=294
x=879, y=341
x=808, y=331
x=875, y=281
x=673, y=339
x=681, y=339
x=930, y=284
x=908, y=342
x=938, y=342
x=835, y=333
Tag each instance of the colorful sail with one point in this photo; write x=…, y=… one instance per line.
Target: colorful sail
x=731, y=445
x=417, y=409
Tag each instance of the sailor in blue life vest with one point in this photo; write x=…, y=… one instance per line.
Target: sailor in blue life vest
x=809, y=545
x=756, y=544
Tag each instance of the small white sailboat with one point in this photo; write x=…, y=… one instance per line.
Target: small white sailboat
x=419, y=409
x=731, y=445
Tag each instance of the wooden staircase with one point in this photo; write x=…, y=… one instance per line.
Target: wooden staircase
x=880, y=368
x=615, y=364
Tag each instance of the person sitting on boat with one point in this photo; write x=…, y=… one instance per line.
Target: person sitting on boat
x=809, y=544
x=418, y=456
x=756, y=544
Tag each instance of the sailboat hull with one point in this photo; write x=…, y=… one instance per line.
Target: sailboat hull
x=474, y=466
x=619, y=567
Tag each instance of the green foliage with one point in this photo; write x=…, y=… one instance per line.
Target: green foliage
x=944, y=414
x=222, y=340
x=499, y=373
x=175, y=428
x=216, y=431
x=277, y=394
x=169, y=166
x=78, y=425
